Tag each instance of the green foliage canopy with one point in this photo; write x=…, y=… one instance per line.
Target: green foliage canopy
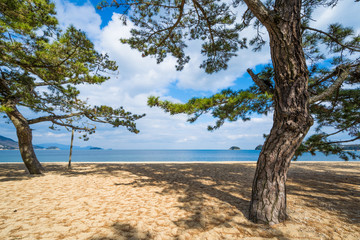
x=41, y=66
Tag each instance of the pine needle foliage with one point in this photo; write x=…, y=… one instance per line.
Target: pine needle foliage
x=41, y=67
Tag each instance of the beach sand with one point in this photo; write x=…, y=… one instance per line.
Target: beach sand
x=174, y=201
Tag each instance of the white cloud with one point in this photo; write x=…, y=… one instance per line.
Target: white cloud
x=83, y=17
x=59, y=135
x=344, y=12
x=240, y=136
x=187, y=139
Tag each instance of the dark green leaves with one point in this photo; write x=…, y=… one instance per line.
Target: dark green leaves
x=163, y=27
x=40, y=67
x=26, y=16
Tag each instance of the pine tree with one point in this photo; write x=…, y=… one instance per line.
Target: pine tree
x=296, y=92
x=40, y=67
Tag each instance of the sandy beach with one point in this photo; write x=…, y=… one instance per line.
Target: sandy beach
x=174, y=201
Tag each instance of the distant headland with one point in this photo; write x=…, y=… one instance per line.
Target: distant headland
x=52, y=148
x=10, y=144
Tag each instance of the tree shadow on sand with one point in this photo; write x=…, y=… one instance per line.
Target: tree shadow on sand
x=125, y=231
x=13, y=172
x=329, y=188
x=323, y=188
x=229, y=184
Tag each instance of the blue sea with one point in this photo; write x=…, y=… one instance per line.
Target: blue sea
x=151, y=156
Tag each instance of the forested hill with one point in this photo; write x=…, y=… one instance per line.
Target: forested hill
x=351, y=147
x=7, y=143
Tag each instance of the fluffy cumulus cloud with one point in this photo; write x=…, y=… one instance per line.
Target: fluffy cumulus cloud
x=345, y=13
x=138, y=78
x=83, y=17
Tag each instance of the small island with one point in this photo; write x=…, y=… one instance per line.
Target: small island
x=52, y=148
x=96, y=148
x=259, y=147
x=234, y=148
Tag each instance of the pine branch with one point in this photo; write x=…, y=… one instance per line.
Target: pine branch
x=170, y=29
x=206, y=19
x=344, y=141
x=53, y=117
x=42, y=84
x=327, y=77
x=126, y=3
x=181, y=10
x=344, y=73
x=258, y=9
x=260, y=83
x=44, y=65
x=3, y=86
x=341, y=130
x=332, y=38
x=71, y=126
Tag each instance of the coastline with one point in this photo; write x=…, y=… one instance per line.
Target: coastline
x=154, y=156
x=183, y=162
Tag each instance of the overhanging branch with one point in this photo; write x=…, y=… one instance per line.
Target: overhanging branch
x=343, y=141
x=327, y=77
x=42, y=84
x=71, y=126
x=260, y=83
x=333, y=39
x=53, y=118
x=170, y=29
x=344, y=73
x=197, y=4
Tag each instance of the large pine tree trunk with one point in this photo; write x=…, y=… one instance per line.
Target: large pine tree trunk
x=292, y=119
x=24, y=135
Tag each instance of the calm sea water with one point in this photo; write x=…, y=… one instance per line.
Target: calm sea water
x=150, y=156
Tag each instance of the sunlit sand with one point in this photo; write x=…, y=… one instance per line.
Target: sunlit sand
x=173, y=201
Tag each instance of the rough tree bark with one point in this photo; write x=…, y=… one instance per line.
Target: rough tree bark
x=24, y=135
x=292, y=119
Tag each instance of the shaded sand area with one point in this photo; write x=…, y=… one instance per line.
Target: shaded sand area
x=174, y=201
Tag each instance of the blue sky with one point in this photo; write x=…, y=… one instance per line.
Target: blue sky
x=139, y=78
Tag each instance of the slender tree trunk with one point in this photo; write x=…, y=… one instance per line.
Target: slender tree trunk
x=24, y=135
x=292, y=119
x=71, y=147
